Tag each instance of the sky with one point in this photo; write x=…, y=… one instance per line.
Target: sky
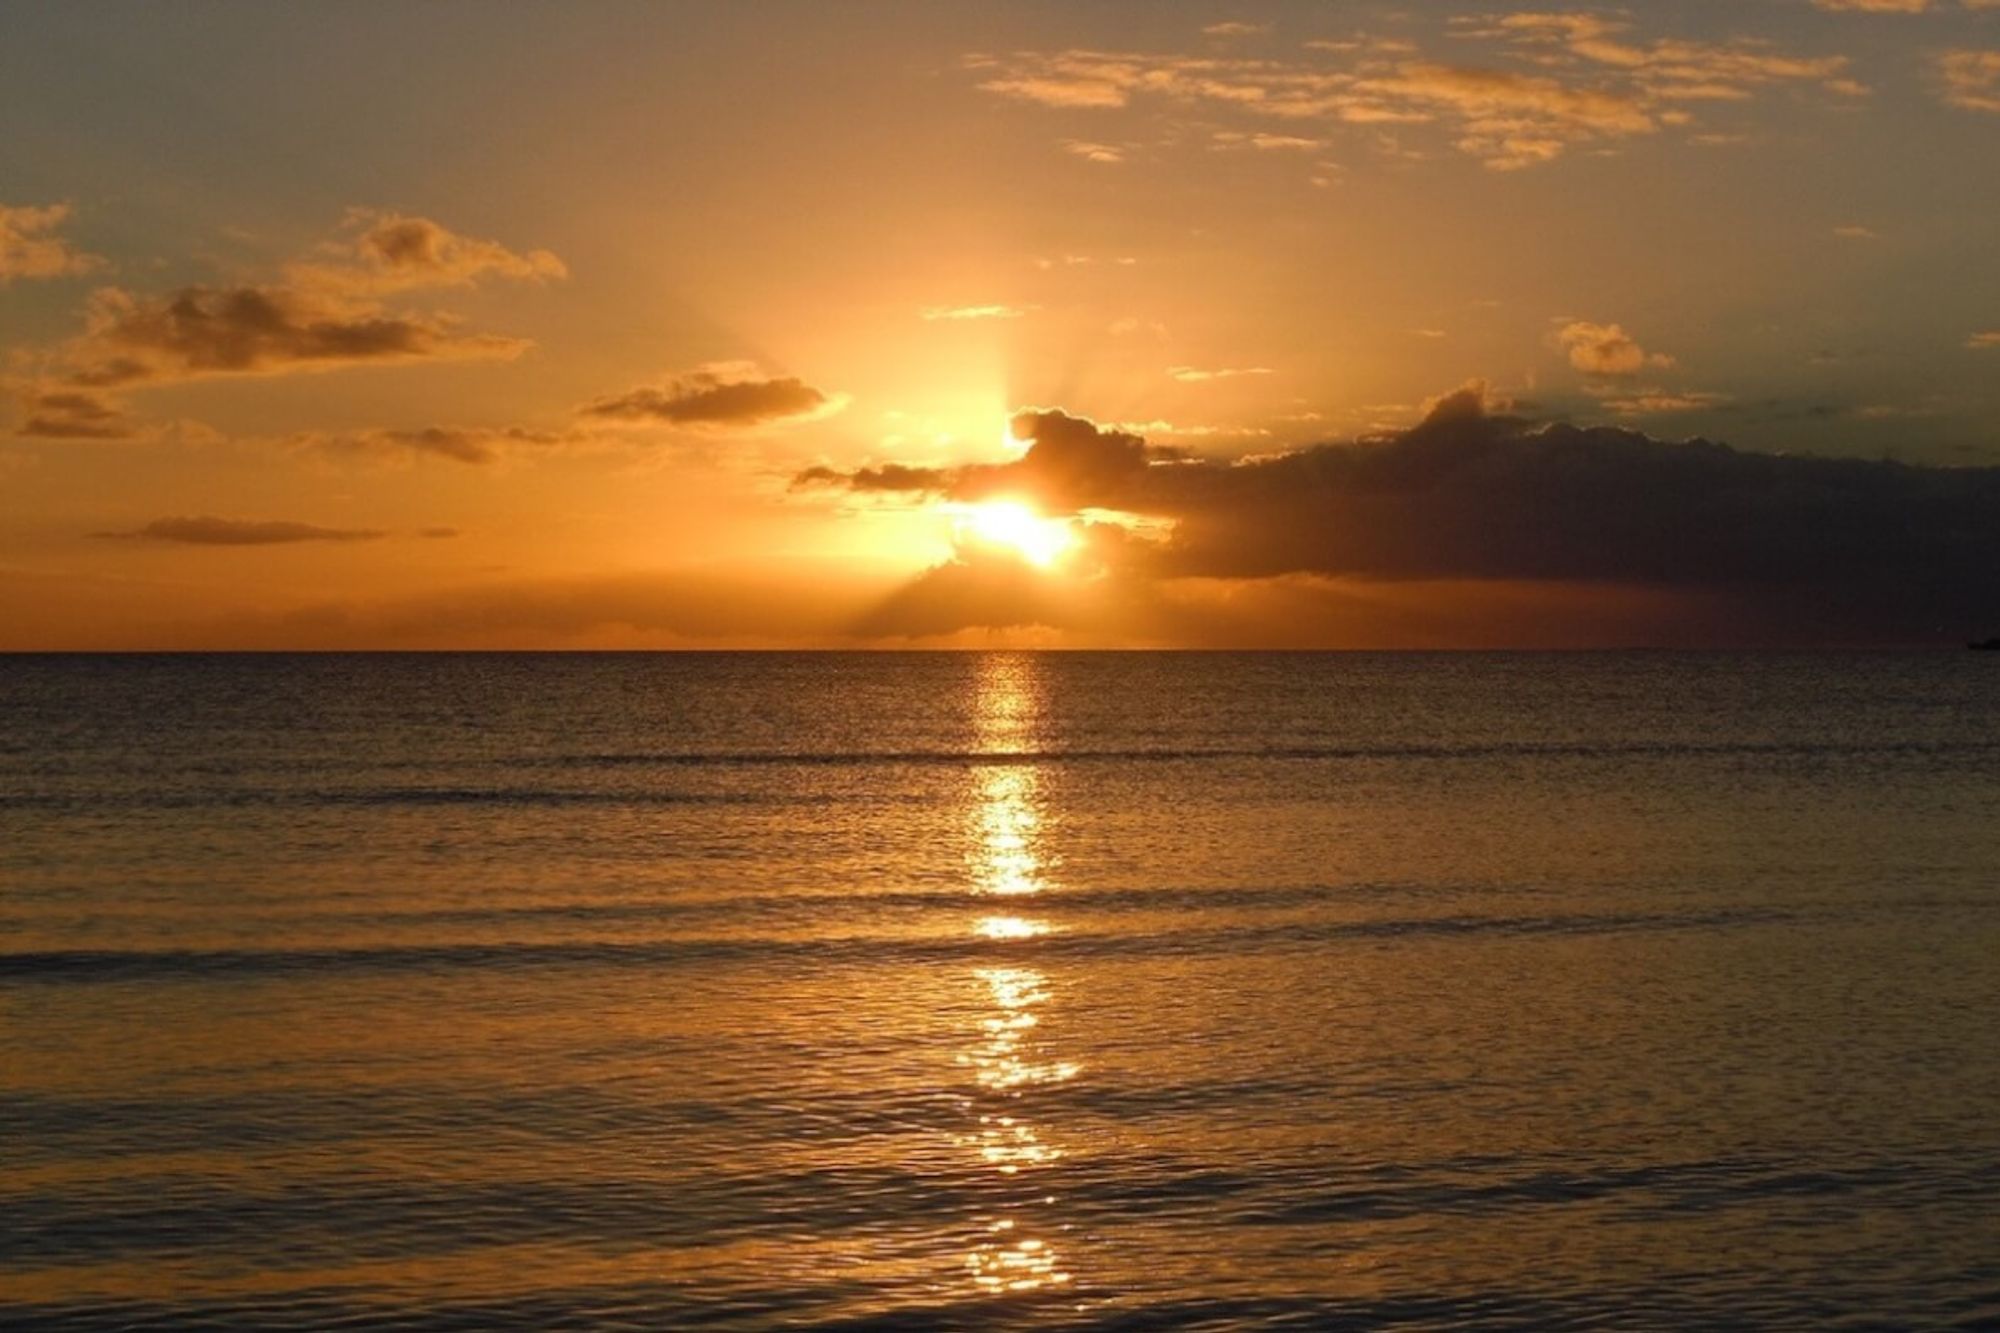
x=1314, y=324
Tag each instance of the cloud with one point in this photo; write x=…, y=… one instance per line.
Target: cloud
x=1982, y=341
x=29, y=247
x=207, y=530
x=1265, y=142
x=476, y=445
x=727, y=396
x=1554, y=82
x=1648, y=402
x=1606, y=349
x=1071, y=463
x=321, y=316
x=201, y=332
x=1971, y=79
x=75, y=415
x=891, y=478
x=1857, y=233
x=964, y=312
x=1197, y=375
x=1108, y=154
x=1874, y=6
x=393, y=252
x=1770, y=546
x=1516, y=120
x=1059, y=92
x=1235, y=29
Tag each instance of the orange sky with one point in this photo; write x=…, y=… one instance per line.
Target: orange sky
x=653, y=325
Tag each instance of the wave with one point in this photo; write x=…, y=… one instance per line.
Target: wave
x=106, y=965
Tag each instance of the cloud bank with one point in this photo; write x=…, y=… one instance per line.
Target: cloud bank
x=1771, y=545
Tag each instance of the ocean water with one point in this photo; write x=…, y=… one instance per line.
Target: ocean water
x=1115, y=991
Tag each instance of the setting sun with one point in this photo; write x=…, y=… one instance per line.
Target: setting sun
x=1016, y=528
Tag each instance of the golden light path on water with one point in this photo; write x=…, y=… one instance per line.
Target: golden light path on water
x=1007, y=1057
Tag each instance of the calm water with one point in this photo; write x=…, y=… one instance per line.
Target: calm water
x=1109, y=992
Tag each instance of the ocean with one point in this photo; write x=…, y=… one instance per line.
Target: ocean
x=1052, y=991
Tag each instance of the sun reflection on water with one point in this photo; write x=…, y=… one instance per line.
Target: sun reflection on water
x=1008, y=1057
x=1009, y=928
x=1003, y=858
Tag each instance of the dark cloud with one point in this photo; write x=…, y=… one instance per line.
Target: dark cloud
x=461, y=444
x=206, y=530
x=75, y=416
x=720, y=398
x=1800, y=545
x=324, y=313
x=888, y=477
x=203, y=331
x=1071, y=463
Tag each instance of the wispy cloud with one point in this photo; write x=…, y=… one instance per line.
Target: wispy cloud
x=720, y=396
x=1197, y=375
x=75, y=415
x=965, y=312
x=31, y=248
x=208, y=530
x=475, y=445
x=1971, y=79
x=1648, y=402
x=1553, y=82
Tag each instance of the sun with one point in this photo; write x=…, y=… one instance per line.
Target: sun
x=1014, y=526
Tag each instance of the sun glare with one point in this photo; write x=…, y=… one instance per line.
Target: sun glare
x=1013, y=526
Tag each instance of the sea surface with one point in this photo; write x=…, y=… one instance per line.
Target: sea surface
x=1098, y=991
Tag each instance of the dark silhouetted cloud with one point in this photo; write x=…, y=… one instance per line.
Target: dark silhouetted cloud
x=729, y=396
x=1831, y=548
x=326, y=313
x=207, y=530
x=204, y=331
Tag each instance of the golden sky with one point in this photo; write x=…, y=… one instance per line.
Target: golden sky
x=789, y=324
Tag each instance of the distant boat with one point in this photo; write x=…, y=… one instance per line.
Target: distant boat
x=1984, y=645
